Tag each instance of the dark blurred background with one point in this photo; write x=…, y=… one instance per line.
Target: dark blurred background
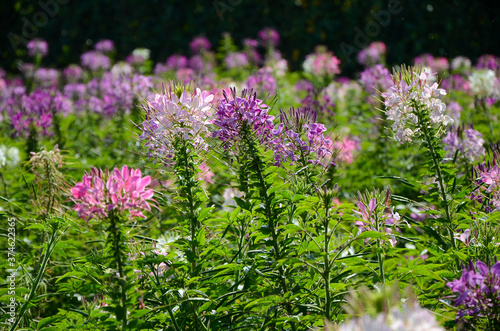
x=442, y=28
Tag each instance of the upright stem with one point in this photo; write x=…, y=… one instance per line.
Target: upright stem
x=437, y=167
x=328, y=299
x=186, y=178
x=117, y=254
x=380, y=257
x=263, y=186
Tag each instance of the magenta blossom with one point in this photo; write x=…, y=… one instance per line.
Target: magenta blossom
x=123, y=190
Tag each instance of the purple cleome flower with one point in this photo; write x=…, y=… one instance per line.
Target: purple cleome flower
x=376, y=79
x=479, y=291
x=235, y=112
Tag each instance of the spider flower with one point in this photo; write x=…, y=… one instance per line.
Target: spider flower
x=37, y=47
x=299, y=137
x=123, y=190
x=170, y=116
x=469, y=141
x=373, y=54
x=234, y=114
x=479, y=291
x=412, y=97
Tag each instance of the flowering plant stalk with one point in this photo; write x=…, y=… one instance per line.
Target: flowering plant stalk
x=114, y=196
x=244, y=124
x=417, y=113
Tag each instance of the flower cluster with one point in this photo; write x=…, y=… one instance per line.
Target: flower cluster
x=488, y=61
x=322, y=63
x=345, y=149
x=488, y=180
x=376, y=217
x=269, y=37
x=262, y=81
x=408, y=318
x=373, y=54
x=104, y=46
x=200, y=44
x=408, y=99
x=460, y=64
x=376, y=79
x=483, y=83
x=236, y=60
x=34, y=111
x=37, y=47
x=479, y=291
x=95, y=61
x=46, y=77
x=467, y=140
x=436, y=64
x=9, y=157
x=101, y=192
x=73, y=73
x=235, y=114
x=299, y=138
x=176, y=114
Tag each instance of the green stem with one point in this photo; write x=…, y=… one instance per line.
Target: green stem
x=117, y=254
x=380, y=256
x=186, y=179
x=50, y=248
x=263, y=186
x=437, y=167
x=328, y=299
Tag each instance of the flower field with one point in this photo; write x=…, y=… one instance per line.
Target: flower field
x=220, y=190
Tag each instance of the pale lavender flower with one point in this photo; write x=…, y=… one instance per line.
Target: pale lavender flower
x=406, y=98
x=95, y=61
x=37, y=47
x=373, y=54
x=376, y=79
x=46, y=77
x=73, y=73
x=467, y=140
x=170, y=117
x=460, y=64
x=262, y=82
x=236, y=60
x=104, y=46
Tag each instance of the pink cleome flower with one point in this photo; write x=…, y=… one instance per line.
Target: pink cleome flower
x=122, y=189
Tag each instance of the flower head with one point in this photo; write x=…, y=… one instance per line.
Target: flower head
x=121, y=190
x=469, y=141
x=200, y=44
x=235, y=113
x=37, y=47
x=104, y=46
x=177, y=113
x=373, y=54
x=411, y=97
x=479, y=291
